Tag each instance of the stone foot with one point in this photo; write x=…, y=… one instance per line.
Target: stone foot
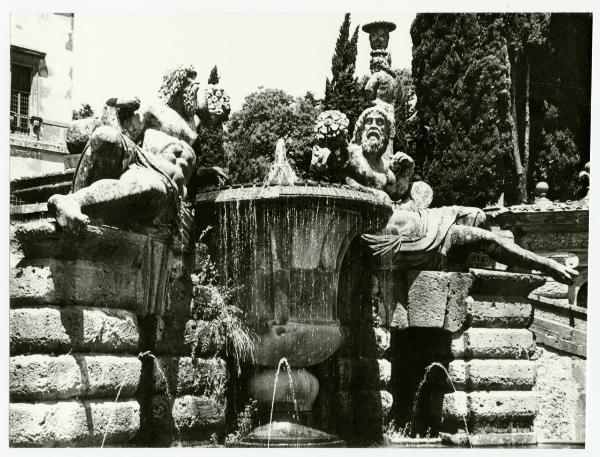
x=67, y=212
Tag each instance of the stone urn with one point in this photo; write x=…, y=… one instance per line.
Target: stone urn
x=281, y=247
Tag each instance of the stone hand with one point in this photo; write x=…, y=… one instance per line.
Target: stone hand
x=402, y=165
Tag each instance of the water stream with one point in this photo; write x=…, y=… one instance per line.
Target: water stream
x=281, y=363
x=418, y=395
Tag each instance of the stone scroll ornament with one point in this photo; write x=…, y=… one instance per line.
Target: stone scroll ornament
x=138, y=158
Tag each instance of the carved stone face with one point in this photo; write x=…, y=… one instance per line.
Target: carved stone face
x=379, y=38
x=375, y=135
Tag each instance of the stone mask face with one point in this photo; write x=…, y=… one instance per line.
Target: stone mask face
x=375, y=134
x=379, y=39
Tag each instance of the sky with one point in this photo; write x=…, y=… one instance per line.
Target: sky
x=127, y=53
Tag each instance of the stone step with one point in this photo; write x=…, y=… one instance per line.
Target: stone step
x=77, y=329
x=46, y=377
x=492, y=343
x=185, y=375
x=73, y=423
x=478, y=374
x=491, y=409
x=495, y=311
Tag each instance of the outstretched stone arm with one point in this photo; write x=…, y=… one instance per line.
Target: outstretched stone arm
x=471, y=239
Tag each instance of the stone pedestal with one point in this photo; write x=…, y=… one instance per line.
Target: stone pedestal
x=492, y=370
x=74, y=333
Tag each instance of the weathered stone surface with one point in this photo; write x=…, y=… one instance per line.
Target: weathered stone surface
x=490, y=406
x=490, y=343
x=495, y=311
x=560, y=390
x=427, y=298
x=188, y=412
x=365, y=373
x=493, y=374
x=489, y=439
x=44, y=330
x=432, y=299
x=73, y=423
x=387, y=400
x=44, y=377
x=493, y=282
x=76, y=282
x=187, y=375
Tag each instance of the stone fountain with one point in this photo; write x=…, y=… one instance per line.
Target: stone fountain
x=283, y=245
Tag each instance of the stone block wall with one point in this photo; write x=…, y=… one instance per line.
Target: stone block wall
x=85, y=369
x=493, y=371
x=74, y=371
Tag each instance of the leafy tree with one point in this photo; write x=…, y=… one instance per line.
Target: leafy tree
x=404, y=111
x=463, y=102
x=266, y=116
x=84, y=111
x=214, y=76
x=503, y=100
x=344, y=92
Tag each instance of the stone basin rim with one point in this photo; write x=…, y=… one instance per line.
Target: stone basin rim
x=306, y=190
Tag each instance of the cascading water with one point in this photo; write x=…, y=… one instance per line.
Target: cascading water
x=281, y=246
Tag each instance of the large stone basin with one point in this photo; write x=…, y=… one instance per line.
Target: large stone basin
x=282, y=248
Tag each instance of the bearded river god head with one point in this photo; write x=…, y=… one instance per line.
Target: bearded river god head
x=373, y=131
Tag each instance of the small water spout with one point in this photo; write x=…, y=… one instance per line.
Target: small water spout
x=283, y=361
x=281, y=172
x=114, y=413
x=167, y=391
x=418, y=394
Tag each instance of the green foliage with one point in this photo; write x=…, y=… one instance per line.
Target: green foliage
x=344, y=92
x=217, y=326
x=84, y=111
x=266, y=116
x=245, y=423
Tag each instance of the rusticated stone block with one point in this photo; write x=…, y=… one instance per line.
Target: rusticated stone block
x=494, y=282
x=46, y=377
x=436, y=299
x=188, y=412
x=493, y=374
x=187, y=375
x=491, y=343
x=73, y=423
x=494, y=311
x=490, y=406
x=76, y=282
x=44, y=330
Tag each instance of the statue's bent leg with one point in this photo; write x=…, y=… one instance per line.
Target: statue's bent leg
x=471, y=239
x=140, y=195
x=107, y=156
